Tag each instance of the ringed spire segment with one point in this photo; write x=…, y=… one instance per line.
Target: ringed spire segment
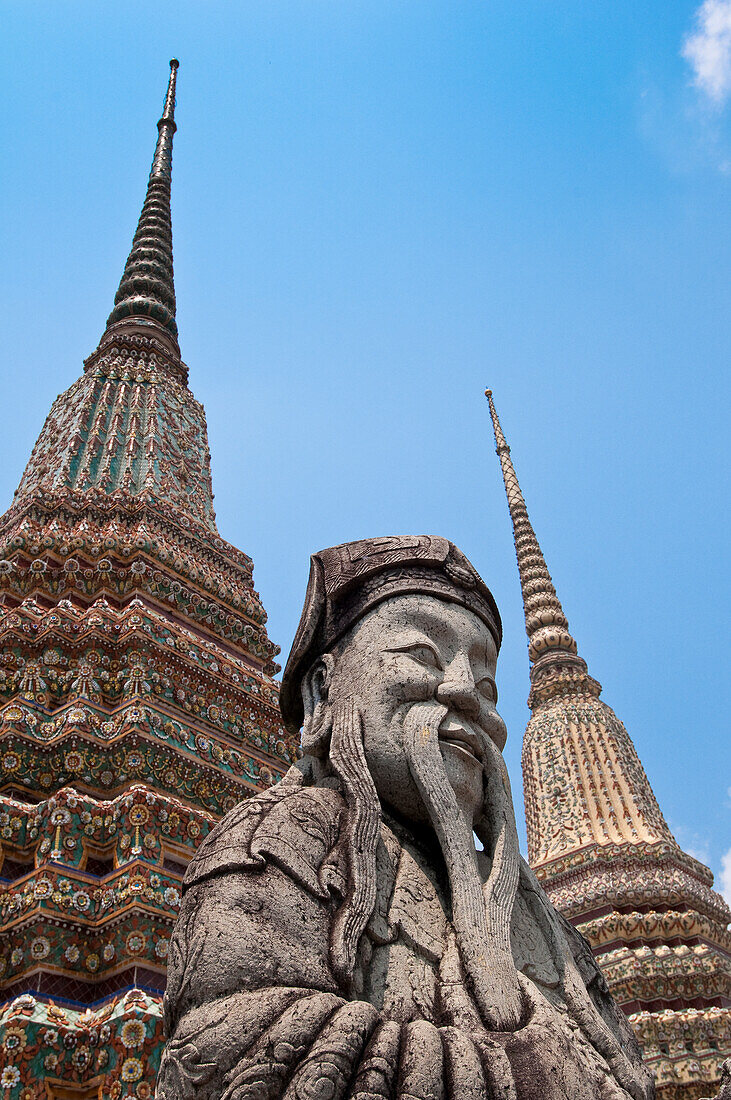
x=545, y=623
x=162, y=162
x=146, y=292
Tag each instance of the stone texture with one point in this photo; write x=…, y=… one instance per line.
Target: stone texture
x=340, y=934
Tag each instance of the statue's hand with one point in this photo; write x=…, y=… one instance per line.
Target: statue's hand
x=301, y=1044
x=244, y=1045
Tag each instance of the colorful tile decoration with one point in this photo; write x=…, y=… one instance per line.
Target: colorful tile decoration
x=116, y=1045
x=137, y=699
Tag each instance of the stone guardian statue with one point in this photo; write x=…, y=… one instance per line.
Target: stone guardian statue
x=341, y=935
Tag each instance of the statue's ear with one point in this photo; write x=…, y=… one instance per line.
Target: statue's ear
x=316, y=704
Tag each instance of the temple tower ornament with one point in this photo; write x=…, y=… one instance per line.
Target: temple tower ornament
x=137, y=699
x=601, y=848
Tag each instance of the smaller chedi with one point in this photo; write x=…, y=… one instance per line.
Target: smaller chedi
x=341, y=934
x=603, y=852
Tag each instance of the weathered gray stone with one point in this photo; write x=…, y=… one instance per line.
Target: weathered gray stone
x=340, y=934
x=724, y=1091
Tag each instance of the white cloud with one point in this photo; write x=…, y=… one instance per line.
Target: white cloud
x=725, y=876
x=708, y=50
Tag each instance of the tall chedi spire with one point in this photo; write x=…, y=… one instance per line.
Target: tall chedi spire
x=602, y=849
x=130, y=427
x=137, y=699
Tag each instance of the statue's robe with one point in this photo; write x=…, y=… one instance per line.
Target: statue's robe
x=254, y=1010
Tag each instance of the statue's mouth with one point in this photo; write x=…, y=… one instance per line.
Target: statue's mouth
x=453, y=735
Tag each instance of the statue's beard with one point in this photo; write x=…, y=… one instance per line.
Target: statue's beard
x=481, y=914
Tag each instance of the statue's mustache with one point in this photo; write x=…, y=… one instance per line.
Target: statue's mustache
x=460, y=733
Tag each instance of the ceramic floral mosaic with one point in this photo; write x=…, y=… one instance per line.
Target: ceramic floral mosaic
x=137, y=703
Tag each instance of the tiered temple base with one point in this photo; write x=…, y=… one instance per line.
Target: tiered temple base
x=136, y=707
x=655, y=925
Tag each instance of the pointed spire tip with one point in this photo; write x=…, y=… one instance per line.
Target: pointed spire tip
x=147, y=291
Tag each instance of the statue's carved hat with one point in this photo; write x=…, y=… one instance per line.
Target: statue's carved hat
x=348, y=580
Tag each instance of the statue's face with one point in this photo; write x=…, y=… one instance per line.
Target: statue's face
x=415, y=649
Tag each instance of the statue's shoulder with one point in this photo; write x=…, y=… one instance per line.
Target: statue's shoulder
x=587, y=968
x=292, y=825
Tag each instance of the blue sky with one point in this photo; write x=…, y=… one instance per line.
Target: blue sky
x=380, y=208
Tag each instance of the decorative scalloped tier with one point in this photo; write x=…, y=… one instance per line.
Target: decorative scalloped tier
x=602, y=850
x=112, y=1048
x=64, y=546
x=684, y=1049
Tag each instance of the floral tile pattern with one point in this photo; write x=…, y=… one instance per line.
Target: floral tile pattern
x=137, y=699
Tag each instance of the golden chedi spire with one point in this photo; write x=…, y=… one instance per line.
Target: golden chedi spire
x=611, y=799
x=550, y=643
x=603, y=851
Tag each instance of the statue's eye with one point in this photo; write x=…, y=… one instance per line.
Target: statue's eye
x=488, y=689
x=424, y=654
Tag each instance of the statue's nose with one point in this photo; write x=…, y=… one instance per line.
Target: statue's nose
x=457, y=690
